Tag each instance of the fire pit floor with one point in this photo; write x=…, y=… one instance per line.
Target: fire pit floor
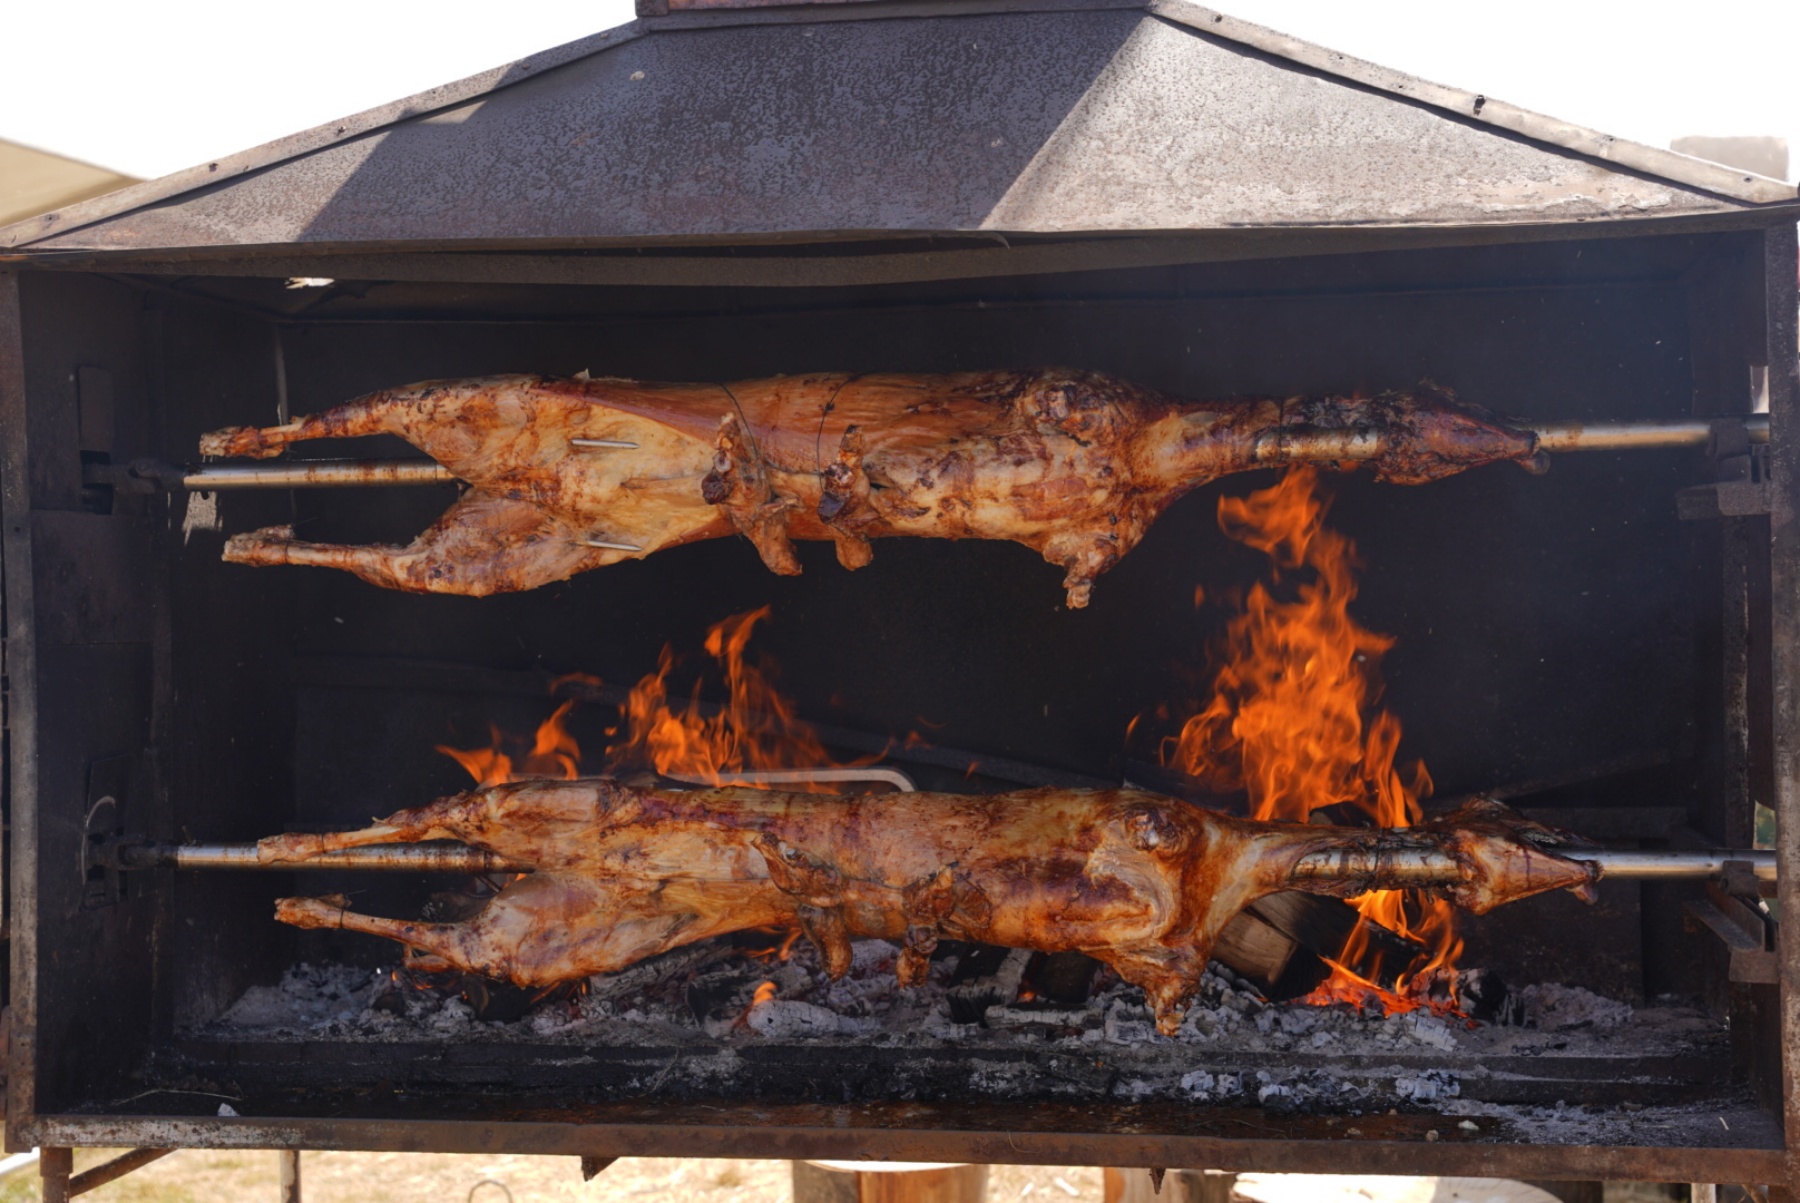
x=711, y=1021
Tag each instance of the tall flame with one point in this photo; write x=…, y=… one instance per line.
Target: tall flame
x=756, y=728
x=1293, y=719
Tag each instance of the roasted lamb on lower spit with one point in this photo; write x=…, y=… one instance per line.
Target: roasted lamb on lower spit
x=1139, y=881
x=572, y=474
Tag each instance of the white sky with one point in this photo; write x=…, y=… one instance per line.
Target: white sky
x=151, y=86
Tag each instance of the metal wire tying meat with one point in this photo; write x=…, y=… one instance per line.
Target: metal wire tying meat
x=1142, y=882
x=573, y=474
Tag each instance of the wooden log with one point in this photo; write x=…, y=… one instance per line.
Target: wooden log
x=1178, y=1186
x=1257, y=950
x=898, y=1182
x=1277, y=943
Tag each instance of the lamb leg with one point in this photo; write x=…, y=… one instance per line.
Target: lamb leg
x=481, y=546
x=547, y=928
x=543, y=823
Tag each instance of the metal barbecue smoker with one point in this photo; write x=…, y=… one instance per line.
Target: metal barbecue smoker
x=727, y=189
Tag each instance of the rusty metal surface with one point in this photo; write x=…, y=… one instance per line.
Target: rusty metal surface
x=21, y=767
x=111, y=1171
x=994, y=1133
x=1050, y=122
x=817, y=262
x=54, y=1166
x=1779, y=257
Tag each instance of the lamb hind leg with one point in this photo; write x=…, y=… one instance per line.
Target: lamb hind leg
x=449, y=943
x=577, y=928
x=481, y=546
x=466, y=946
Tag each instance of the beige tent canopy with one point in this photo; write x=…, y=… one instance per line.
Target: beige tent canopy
x=36, y=181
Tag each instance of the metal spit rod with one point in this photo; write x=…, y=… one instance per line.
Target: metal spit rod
x=1351, y=444
x=1434, y=867
x=1418, y=867
x=406, y=858
x=316, y=474
x=1633, y=436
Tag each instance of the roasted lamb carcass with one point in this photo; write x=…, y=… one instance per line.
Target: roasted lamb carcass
x=1142, y=882
x=573, y=474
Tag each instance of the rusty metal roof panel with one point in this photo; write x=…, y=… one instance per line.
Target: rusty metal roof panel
x=831, y=121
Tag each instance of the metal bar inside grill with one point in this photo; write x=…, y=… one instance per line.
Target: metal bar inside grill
x=1424, y=868
x=1351, y=444
x=405, y=858
x=318, y=474
x=1434, y=868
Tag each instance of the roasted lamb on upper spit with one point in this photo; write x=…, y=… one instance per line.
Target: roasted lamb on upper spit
x=1142, y=882
x=573, y=474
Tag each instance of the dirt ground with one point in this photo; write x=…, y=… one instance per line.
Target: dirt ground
x=210, y=1177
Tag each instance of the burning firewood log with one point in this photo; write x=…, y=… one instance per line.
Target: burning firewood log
x=1142, y=882
x=573, y=474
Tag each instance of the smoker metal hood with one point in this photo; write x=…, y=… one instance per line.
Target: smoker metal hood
x=995, y=125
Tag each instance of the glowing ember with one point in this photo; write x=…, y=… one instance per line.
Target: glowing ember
x=1293, y=720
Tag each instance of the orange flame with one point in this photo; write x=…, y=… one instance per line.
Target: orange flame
x=553, y=753
x=775, y=952
x=1293, y=719
x=756, y=728
x=764, y=993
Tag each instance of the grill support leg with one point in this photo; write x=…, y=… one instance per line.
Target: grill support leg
x=55, y=1167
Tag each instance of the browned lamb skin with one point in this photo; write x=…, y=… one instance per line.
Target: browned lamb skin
x=1074, y=465
x=1142, y=882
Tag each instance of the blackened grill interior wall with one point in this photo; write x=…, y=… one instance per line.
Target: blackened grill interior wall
x=230, y=747
x=157, y=683
x=1547, y=625
x=95, y=656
